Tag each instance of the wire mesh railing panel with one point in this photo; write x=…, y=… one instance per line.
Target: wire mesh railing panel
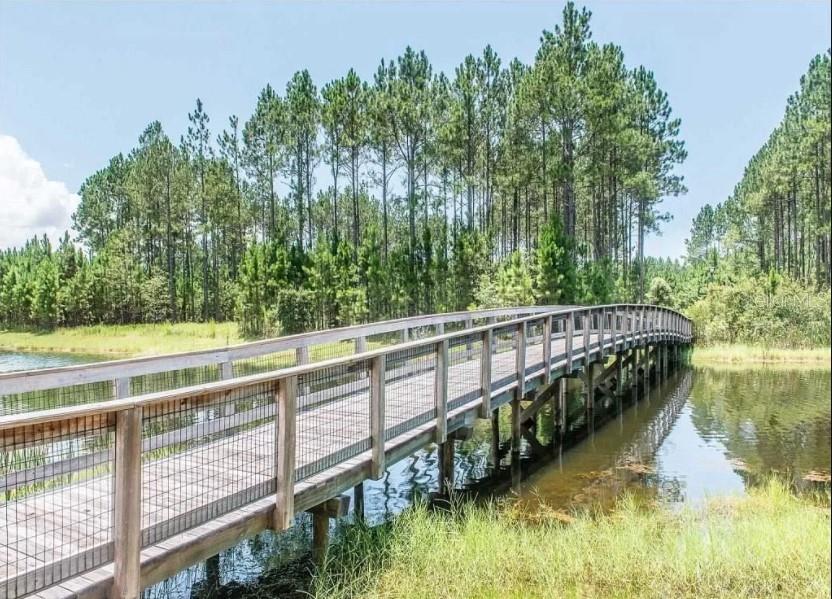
x=56, y=512
x=422, y=332
x=558, y=338
x=409, y=393
x=205, y=457
x=333, y=420
x=45, y=399
x=504, y=356
x=265, y=363
x=174, y=379
x=330, y=351
x=464, y=357
x=455, y=326
x=534, y=346
x=384, y=339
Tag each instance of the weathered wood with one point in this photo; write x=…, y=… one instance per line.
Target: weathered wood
x=285, y=452
x=547, y=349
x=352, y=427
x=335, y=507
x=446, y=467
x=485, y=372
x=570, y=340
x=127, y=516
x=440, y=390
x=377, y=402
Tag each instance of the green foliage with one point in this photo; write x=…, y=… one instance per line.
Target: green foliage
x=511, y=285
x=753, y=311
x=295, y=312
x=770, y=543
x=660, y=292
x=556, y=281
x=778, y=216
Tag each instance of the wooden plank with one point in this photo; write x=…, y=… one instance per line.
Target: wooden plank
x=547, y=349
x=377, y=404
x=128, y=506
x=485, y=372
x=285, y=452
x=440, y=390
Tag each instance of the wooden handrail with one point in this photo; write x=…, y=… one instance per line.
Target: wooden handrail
x=115, y=405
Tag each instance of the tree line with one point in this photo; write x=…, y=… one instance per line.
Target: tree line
x=415, y=191
x=778, y=217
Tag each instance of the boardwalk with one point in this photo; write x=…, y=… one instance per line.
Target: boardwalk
x=211, y=455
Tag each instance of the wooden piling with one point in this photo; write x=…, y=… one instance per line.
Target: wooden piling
x=446, y=467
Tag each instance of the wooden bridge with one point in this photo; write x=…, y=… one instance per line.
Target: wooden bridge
x=116, y=475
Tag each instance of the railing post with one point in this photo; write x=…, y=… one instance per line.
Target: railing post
x=127, y=517
x=121, y=388
x=286, y=405
x=614, y=329
x=547, y=349
x=360, y=345
x=226, y=370
x=587, y=320
x=405, y=335
x=485, y=373
x=377, y=415
x=520, y=361
x=440, y=328
x=569, y=341
x=302, y=355
x=440, y=392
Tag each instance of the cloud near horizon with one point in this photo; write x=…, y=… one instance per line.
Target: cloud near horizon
x=30, y=204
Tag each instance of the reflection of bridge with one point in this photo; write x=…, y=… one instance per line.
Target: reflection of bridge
x=106, y=497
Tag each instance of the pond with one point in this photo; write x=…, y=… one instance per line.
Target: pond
x=10, y=361
x=705, y=431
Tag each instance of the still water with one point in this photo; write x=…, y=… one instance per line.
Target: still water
x=705, y=431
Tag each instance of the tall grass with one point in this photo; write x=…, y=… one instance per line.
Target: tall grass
x=124, y=340
x=738, y=354
x=770, y=543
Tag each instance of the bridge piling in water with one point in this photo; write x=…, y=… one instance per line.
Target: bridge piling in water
x=136, y=488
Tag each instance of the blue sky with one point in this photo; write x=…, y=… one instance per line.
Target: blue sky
x=80, y=80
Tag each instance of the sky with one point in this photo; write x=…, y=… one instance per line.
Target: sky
x=79, y=81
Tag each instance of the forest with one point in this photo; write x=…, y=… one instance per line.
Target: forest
x=420, y=191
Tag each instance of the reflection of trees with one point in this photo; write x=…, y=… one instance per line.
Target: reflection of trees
x=771, y=419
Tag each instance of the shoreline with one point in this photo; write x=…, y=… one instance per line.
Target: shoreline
x=739, y=355
x=127, y=341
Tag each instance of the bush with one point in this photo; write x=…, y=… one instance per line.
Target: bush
x=763, y=311
x=294, y=311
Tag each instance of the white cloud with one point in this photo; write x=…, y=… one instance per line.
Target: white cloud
x=30, y=204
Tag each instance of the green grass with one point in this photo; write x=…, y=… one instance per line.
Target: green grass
x=737, y=354
x=769, y=544
x=124, y=340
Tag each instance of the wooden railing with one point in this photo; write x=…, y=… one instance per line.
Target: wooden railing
x=45, y=388
x=96, y=483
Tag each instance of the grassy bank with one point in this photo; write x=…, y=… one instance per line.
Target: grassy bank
x=738, y=354
x=767, y=544
x=124, y=340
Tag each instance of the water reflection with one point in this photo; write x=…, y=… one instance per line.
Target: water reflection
x=702, y=432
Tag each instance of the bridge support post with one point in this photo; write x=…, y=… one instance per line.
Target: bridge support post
x=515, y=439
x=358, y=501
x=331, y=508
x=589, y=388
x=495, y=438
x=619, y=374
x=446, y=467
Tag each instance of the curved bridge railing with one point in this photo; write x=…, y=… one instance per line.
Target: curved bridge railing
x=108, y=488
x=45, y=388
